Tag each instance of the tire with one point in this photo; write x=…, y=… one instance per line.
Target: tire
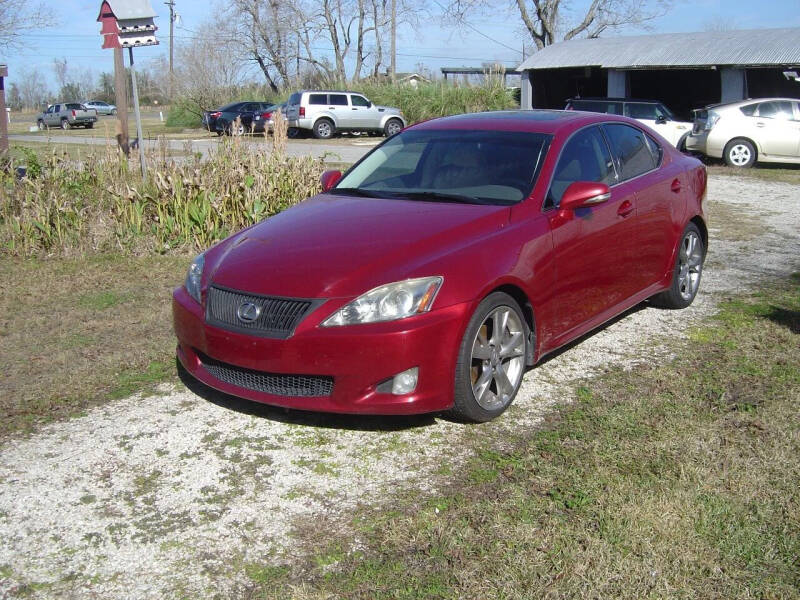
x=240, y=129
x=392, y=126
x=113, y=112
x=42, y=126
x=686, y=273
x=739, y=153
x=324, y=129
x=64, y=124
x=293, y=133
x=682, y=143
x=218, y=132
x=90, y=126
x=491, y=360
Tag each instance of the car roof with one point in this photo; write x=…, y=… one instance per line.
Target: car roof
x=330, y=92
x=535, y=120
x=749, y=101
x=603, y=99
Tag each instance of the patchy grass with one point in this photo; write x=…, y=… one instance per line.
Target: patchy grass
x=679, y=480
x=76, y=332
x=772, y=172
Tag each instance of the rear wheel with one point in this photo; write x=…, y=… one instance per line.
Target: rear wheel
x=686, y=273
x=392, y=126
x=324, y=129
x=113, y=111
x=491, y=359
x=740, y=153
x=90, y=126
x=293, y=133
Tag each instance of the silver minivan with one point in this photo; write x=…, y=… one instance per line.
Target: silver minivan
x=324, y=112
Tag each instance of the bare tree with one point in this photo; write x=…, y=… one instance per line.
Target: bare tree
x=546, y=22
x=33, y=90
x=17, y=17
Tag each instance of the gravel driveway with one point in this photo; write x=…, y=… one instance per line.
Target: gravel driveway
x=172, y=495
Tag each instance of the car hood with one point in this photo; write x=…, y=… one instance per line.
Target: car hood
x=389, y=109
x=340, y=246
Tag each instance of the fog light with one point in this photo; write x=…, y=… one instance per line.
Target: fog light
x=405, y=382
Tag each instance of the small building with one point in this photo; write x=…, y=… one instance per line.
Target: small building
x=683, y=70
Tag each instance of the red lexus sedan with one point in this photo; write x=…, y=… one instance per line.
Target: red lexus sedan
x=446, y=262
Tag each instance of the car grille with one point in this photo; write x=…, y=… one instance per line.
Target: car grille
x=305, y=386
x=277, y=317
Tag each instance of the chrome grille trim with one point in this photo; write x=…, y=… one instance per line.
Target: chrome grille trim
x=278, y=316
x=303, y=386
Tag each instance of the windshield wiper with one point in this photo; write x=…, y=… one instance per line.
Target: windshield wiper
x=350, y=191
x=440, y=197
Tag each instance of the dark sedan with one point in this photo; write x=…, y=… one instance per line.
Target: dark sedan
x=253, y=117
x=445, y=263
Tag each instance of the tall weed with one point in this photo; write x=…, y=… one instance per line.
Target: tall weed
x=102, y=204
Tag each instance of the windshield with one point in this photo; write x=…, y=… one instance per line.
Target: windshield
x=480, y=167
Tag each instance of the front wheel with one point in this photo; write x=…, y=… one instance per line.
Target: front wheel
x=392, y=126
x=686, y=273
x=491, y=360
x=64, y=124
x=740, y=153
x=41, y=125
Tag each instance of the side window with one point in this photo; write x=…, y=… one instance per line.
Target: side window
x=585, y=157
x=796, y=111
x=338, y=99
x=359, y=101
x=318, y=98
x=57, y=108
x=776, y=110
x=655, y=149
x=294, y=99
x=749, y=110
x=631, y=149
x=636, y=110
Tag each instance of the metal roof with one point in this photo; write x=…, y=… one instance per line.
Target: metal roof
x=744, y=47
x=131, y=9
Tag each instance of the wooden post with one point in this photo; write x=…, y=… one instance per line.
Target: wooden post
x=139, y=140
x=121, y=95
x=3, y=114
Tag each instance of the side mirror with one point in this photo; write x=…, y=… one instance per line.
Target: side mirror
x=329, y=179
x=661, y=119
x=584, y=193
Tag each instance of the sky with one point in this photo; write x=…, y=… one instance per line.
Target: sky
x=494, y=37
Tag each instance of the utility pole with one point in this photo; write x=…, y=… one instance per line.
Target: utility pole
x=394, y=41
x=171, y=5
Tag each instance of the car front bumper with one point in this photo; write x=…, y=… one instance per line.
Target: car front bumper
x=357, y=357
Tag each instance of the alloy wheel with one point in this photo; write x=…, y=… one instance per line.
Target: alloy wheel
x=739, y=155
x=690, y=265
x=498, y=358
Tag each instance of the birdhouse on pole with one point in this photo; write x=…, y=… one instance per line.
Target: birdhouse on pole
x=127, y=23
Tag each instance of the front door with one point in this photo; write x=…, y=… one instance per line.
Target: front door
x=595, y=248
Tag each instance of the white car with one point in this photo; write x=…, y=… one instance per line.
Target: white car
x=741, y=133
x=650, y=112
x=324, y=112
x=102, y=108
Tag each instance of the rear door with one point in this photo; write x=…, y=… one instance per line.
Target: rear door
x=778, y=129
x=658, y=197
x=339, y=106
x=596, y=249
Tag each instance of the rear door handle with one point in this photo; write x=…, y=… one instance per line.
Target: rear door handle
x=759, y=124
x=676, y=186
x=625, y=209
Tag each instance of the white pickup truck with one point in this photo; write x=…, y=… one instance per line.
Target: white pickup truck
x=66, y=115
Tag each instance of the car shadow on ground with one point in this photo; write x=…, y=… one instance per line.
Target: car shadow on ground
x=301, y=417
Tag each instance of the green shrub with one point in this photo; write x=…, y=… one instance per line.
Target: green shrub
x=180, y=116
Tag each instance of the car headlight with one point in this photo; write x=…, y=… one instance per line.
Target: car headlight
x=193, y=277
x=388, y=302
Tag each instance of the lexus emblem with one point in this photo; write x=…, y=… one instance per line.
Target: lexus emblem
x=248, y=312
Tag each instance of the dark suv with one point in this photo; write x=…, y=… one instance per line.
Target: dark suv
x=650, y=112
x=253, y=118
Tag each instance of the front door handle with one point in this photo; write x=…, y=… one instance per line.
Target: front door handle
x=676, y=186
x=625, y=209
